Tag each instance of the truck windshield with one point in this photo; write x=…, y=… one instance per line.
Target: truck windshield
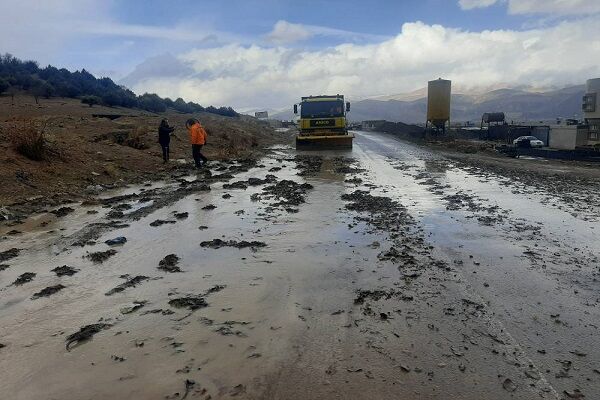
x=321, y=109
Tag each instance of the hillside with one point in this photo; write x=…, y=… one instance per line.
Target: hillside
x=84, y=150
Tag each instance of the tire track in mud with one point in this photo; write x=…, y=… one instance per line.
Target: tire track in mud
x=416, y=265
x=423, y=280
x=276, y=197
x=120, y=205
x=575, y=268
x=579, y=195
x=539, y=248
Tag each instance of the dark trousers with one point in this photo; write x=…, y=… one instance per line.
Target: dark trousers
x=165, y=151
x=198, y=157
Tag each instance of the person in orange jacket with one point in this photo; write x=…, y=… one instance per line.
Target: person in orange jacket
x=198, y=139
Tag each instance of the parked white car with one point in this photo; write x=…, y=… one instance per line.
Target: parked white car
x=533, y=141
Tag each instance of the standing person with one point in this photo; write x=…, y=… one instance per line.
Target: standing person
x=198, y=139
x=164, y=138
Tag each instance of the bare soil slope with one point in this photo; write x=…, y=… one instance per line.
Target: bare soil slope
x=87, y=150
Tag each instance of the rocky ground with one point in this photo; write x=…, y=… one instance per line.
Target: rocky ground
x=391, y=271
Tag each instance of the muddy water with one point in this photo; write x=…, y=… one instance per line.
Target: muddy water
x=496, y=296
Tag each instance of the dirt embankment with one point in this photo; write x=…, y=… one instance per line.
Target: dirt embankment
x=87, y=150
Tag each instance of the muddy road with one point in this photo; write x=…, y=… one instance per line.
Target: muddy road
x=385, y=272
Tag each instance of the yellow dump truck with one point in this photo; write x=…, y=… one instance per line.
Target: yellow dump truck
x=323, y=123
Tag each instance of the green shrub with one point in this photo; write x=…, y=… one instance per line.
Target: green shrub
x=91, y=100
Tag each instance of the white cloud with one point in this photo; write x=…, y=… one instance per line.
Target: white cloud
x=285, y=32
x=47, y=30
x=561, y=7
x=471, y=4
x=256, y=76
x=555, y=7
x=37, y=29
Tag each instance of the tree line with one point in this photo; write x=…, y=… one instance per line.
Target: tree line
x=17, y=75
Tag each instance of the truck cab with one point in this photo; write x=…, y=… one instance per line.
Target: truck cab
x=323, y=122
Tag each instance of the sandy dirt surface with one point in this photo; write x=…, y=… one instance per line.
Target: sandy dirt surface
x=88, y=152
x=388, y=271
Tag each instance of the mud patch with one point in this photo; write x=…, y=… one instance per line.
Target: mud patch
x=84, y=334
x=229, y=331
x=132, y=308
x=346, y=165
x=363, y=201
x=180, y=216
x=24, y=278
x=236, y=185
x=169, y=263
x=160, y=222
x=99, y=257
x=308, y=165
x=354, y=180
x=8, y=254
x=215, y=289
x=465, y=201
x=257, y=181
x=375, y=295
x=219, y=243
x=65, y=270
x=129, y=283
x=190, y=302
x=119, y=199
x=287, y=193
x=49, y=291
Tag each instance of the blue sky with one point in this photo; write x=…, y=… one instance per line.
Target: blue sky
x=376, y=17
x=268, y=53
x=252, y=20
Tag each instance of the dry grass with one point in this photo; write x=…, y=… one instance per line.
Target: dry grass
x=29, y=140
x=136, y=138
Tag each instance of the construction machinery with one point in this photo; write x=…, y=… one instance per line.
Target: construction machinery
x=323, y=123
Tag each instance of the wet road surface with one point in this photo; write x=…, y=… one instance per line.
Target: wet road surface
x=395, y=273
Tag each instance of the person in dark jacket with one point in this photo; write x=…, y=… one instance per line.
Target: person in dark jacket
x=164, y=138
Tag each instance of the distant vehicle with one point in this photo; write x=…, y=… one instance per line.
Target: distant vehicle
x=528, y=141
x=323, y=123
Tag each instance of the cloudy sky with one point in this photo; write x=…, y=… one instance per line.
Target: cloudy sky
x=268, y=53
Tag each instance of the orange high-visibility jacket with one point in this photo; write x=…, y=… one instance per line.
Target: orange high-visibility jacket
x=197, y=134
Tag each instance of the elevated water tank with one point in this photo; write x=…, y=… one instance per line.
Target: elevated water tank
x=591, y=100
x=438, y=102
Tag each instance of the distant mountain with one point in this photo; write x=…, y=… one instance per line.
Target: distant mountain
x=519, y=104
